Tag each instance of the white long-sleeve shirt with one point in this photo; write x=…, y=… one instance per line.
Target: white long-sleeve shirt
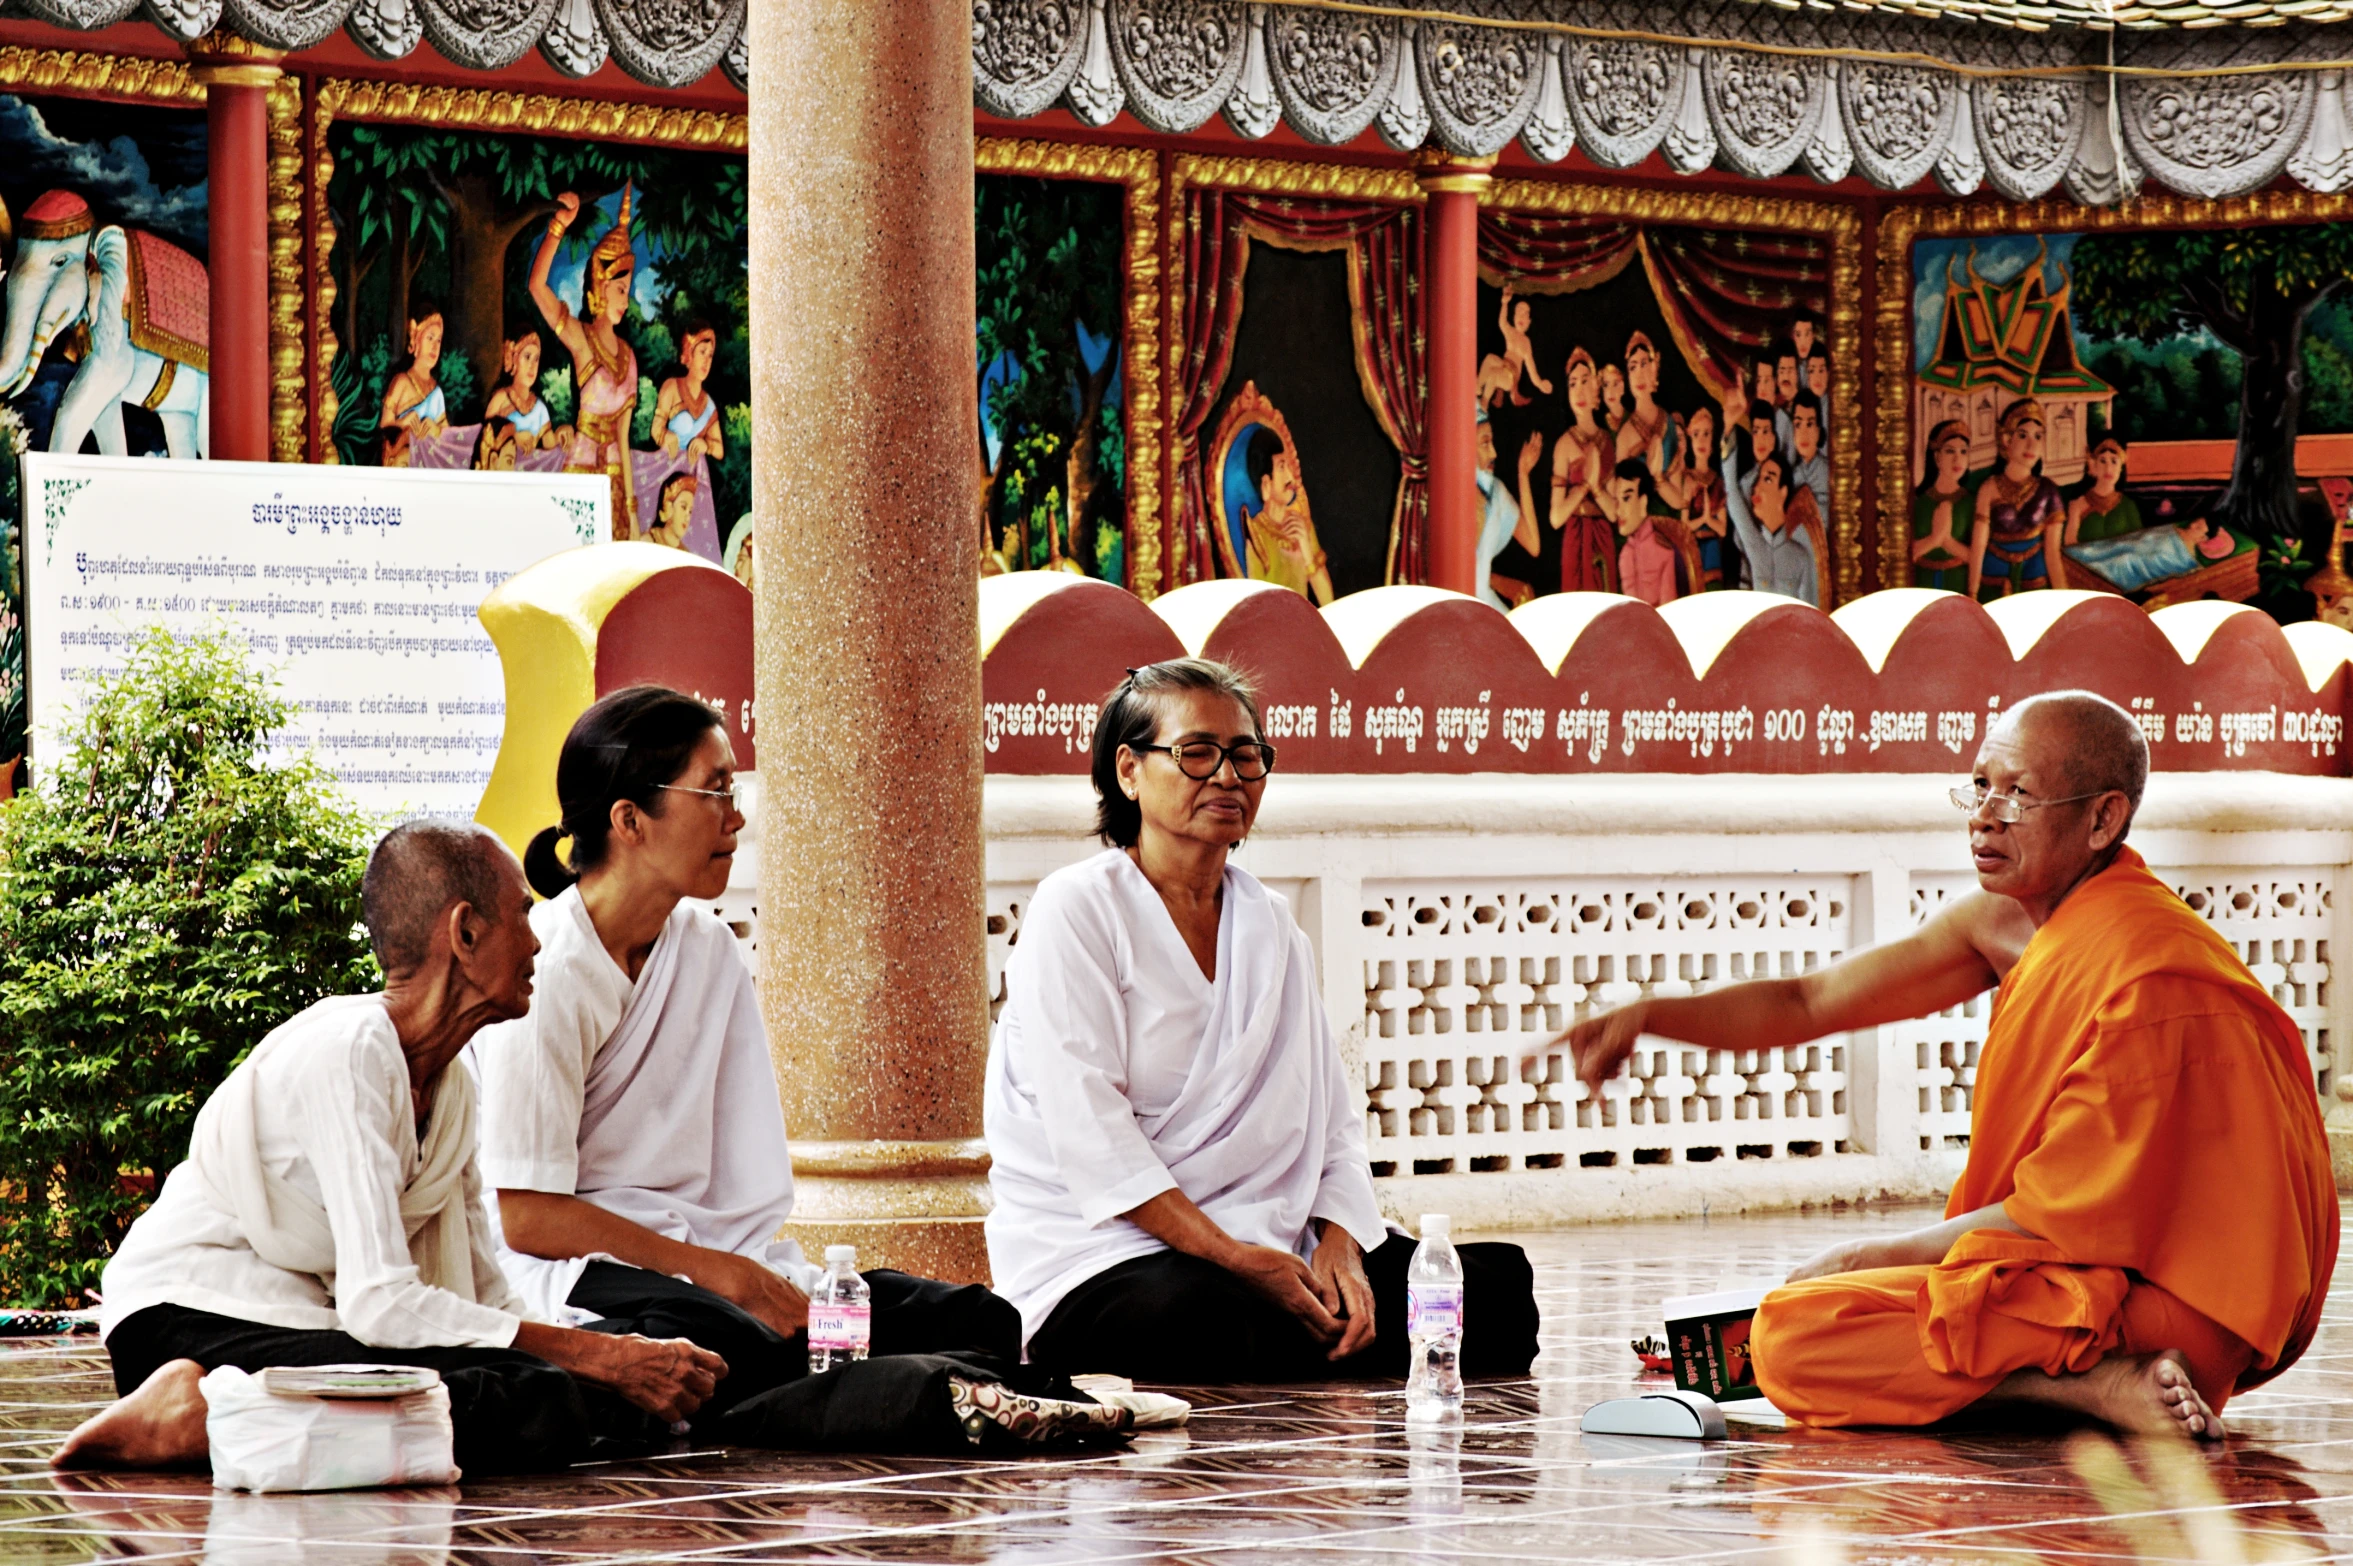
x=335, y=1120
x=1119, y=1071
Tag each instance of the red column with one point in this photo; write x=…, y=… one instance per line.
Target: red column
x=1450, y=303
x=237, y=77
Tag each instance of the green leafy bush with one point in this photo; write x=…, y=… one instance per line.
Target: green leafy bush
x=168, y=894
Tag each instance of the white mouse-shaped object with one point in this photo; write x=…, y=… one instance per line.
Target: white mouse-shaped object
x=1693, y=1416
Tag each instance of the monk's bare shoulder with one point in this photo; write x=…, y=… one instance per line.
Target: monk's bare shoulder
x=1995, y=927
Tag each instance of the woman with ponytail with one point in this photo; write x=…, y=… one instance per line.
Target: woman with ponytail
x=630, y=1122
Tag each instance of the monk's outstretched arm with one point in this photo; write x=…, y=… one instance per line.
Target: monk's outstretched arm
x=1914, y=1248
x=1941, y=964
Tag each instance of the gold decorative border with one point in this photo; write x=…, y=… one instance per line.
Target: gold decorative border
x=100, y=75
x=1258, y=176
x=1138, y=170
x=1900, y=226
x=468, y=108
x=1843, y=227
x=289, y=385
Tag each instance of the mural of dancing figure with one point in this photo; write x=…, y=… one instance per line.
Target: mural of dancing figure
x=604, y=366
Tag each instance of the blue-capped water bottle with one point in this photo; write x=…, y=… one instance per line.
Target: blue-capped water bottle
x=1434, y=1318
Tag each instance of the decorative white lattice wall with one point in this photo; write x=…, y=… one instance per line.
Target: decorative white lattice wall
x=1460, y=922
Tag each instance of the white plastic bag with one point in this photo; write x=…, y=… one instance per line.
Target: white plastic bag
x=264, y=1442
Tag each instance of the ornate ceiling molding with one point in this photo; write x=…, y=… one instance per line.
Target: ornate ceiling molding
x=1732, y=85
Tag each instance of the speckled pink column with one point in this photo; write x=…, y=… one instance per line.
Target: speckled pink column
x=872, y=959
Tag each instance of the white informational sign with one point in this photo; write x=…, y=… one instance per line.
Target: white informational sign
x=358, y=586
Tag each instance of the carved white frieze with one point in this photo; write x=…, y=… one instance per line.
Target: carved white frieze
x=1550, y=134
x=1405, y=118
x=184, y=20
x=284, y=24
x=1254, y=109
x=1623, y=96
x=2325, y=161
x=389, y=29
x=1333, y=70
x=669, y=43
x=1479, y=82
x=1095, y=94
x=1690, y=142
x=1898, y=119
x=2027, y=130
x=575, y=43
x=737, y=61
x=2103, y=172
x=1764, y=108
x=81, y=15
x=1831, y=154
x=485, y=35
x=2217, y=135
x=1960, y=169
x=1178, y=59
x=1024, y=53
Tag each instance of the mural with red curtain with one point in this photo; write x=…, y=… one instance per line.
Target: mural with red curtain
x=1383, y=244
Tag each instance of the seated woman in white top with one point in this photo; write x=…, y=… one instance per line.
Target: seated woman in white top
x=630, y=1123
x=330, y=1208
x=1177, y=1153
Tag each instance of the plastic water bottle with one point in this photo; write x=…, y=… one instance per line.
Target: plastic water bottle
x=841, y=1312
x=1434, y=1317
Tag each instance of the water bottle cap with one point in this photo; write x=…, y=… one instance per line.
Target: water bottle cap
x=1434, y=1226
x=841, y=1253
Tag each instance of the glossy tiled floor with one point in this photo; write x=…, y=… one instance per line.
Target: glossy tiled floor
x=1324, y=1475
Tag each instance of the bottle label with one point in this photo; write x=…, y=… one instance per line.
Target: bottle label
x=840, y=1328
x=1433, y=1309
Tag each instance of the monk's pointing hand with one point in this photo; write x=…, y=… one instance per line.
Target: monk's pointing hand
x=1600, y=1045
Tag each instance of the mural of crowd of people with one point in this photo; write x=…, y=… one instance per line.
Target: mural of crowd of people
x=528, y=303
x=2152, y=413
x=103, y=315
x=1051, y=449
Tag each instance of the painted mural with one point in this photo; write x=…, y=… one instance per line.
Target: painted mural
x=103, y=336
x=2162, y=414
x=1655, y=410
x=538, y=304
x=1051, y=447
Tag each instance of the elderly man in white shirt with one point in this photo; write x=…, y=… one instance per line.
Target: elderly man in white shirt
x=330, y=1208
x=1177, y=1155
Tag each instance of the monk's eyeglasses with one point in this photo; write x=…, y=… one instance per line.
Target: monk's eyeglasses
x=725, y=796
x=2007, y=808
x=1200, y=759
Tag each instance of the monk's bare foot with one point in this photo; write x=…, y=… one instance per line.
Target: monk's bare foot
x=2144, y=1394
x=159, y=1426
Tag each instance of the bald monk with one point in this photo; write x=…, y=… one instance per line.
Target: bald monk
x=2147, y=1222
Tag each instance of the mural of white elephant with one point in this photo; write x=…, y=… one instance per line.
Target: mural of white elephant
x=132, y=307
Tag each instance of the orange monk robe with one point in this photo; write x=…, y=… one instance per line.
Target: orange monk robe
x=2146, y=1109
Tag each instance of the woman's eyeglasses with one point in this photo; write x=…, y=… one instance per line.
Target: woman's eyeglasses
x=725, y=796
x=1200, y=759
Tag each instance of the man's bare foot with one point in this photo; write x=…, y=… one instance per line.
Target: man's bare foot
x=2144, y=1394
x=159, y=1426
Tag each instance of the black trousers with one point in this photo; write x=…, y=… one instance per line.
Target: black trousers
x=911, y=1316
x=1171, y=1317
x=513, y=1412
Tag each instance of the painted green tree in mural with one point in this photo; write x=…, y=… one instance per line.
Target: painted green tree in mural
x=2254, y=289
x=1048, y=253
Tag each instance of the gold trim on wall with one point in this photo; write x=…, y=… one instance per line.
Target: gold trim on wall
x=1843, y=226
x=1138, y=170
x=1900, y=226
x=456, y=108
x=100, y=75
x=1264, y=177
x=289, y=385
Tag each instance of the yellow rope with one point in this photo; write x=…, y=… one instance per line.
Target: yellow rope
x=1868, y=56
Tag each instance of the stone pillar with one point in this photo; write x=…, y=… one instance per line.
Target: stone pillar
x=1451, y=306
x=873, y=966
x=237, y=75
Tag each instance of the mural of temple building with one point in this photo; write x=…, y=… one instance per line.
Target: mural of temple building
x=1999, y=343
